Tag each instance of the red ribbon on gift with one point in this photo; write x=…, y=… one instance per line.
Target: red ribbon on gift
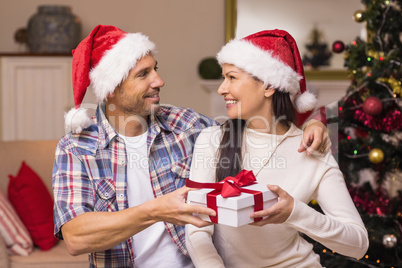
x=229, y=187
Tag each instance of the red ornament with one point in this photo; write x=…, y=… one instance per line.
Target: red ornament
x=338, y=47
x=372, y=106
x=361, y=133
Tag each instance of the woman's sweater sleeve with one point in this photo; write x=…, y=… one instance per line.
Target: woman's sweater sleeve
x=201, y=248
x=199, y=240
x=340, y=228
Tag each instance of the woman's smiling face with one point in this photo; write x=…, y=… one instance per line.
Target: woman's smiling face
x=245, y=96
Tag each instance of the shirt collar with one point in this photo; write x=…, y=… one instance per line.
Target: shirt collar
x=106, y=131
x=171, y=119
x=293, y=131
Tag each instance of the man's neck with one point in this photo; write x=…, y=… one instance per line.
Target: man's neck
x=132, y=129
x=127, y=125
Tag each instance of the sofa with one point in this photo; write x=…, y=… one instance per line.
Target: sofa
x=39, y=155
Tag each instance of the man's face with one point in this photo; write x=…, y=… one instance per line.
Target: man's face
x=139, y=93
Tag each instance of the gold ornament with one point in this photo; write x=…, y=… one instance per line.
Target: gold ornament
x=375, y=55
x=396, y=85
x=358, y=16
x=382, y=79
x=376, y=156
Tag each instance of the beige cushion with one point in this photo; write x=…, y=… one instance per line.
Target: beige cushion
x=55, y=257
x=37, y=154
x=3, y=254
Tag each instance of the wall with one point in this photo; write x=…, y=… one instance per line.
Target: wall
x=185, y=31
x=333, y=18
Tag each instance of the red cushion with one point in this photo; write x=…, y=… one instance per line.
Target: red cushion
x=34, y=205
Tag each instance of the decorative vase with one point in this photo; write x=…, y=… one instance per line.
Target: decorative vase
x=53, y=29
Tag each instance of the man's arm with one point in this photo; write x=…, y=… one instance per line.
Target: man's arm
x=315, y=138
x=98, y=231
x=86, y=230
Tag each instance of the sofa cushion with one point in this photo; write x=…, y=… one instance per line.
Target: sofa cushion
x=38, y=154
x=13, y=232
x=4, y=260
x=34, y=205
x=55, y=257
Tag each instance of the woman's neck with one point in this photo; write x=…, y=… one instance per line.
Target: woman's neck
x=264, y=126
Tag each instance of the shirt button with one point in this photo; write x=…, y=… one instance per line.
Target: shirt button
x=106, y=194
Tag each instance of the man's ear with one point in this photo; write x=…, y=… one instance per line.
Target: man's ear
x=269, y=91
x=111, y=95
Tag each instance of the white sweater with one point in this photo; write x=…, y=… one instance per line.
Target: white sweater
x=278, y=245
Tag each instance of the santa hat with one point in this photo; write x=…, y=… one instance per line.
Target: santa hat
x=273, y=57
x=103, y=60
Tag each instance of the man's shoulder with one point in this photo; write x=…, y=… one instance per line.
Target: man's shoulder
x=179, y=118
x=83, y=143
x=173, y=111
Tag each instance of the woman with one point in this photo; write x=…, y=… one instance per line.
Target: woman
x=262, y=74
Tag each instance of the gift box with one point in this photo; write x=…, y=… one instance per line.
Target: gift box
x=234, y=210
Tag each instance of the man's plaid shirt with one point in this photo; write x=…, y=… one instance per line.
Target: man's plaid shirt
x=90, y=172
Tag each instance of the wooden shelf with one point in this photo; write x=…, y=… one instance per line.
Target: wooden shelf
x=331, y=75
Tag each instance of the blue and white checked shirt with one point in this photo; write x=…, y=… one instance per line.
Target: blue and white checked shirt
x=90, y=174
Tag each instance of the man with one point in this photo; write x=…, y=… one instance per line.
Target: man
x=118, y=178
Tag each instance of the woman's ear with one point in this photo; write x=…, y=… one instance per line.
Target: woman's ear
x=269, y=91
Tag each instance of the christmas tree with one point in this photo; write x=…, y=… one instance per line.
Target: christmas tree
x=370, y=134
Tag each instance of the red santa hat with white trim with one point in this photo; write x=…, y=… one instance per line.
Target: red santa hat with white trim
x=103, y=60
x=273, y=57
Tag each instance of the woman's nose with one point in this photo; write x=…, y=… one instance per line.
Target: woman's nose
x=222, y=89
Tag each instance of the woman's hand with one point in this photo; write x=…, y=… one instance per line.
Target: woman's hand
x=315, y=140
x=279, y=212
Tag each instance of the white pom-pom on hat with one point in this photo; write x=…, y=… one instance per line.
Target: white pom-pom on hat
x=76, y=120
x=305, y=102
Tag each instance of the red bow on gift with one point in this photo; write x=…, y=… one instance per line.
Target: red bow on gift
x=232, y=185
x=229, y=187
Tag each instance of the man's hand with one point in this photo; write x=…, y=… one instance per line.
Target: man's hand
x=173, y=208
x=315, y=139
x=98, y=231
